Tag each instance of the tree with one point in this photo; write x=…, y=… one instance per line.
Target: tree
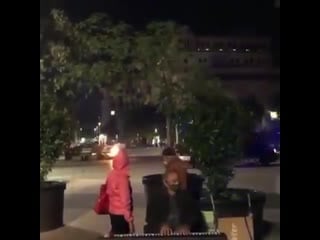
x=55, y=126
x=160, y=52
x=75, y=57
x=215, y=136
x=55, y=121
x=103, y=56
x=130, y=68
x=110, y=49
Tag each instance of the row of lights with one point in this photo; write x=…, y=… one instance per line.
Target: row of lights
x=221, y=50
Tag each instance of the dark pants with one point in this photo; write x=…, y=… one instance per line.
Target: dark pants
x=119, y=225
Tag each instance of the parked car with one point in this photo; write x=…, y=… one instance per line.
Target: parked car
x=86, y=152
x=71, y=150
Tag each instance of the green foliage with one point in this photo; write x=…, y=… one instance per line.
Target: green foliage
x=76, y=56
x=56, y=92
x=163, y=67
x=55, y=126
x=100, y=51
x=107, y=51
x=160, y=52
x=215, y=136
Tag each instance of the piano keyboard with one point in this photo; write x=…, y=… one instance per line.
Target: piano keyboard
x=190, y=236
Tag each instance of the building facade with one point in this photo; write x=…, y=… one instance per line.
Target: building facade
x=243, y=64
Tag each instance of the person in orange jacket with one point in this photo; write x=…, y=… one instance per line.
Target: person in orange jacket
x=119, y=193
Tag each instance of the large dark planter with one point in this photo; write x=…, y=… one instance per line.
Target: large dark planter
x=194, y=184
x=237, y=206
x=51, y=205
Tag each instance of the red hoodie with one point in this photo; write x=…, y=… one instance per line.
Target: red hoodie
x=119, y=187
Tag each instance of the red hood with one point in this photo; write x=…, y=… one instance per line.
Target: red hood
x=121, y=161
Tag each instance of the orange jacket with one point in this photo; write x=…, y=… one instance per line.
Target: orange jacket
x=119, y=187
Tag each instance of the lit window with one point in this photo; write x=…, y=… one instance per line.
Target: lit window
x=234, y=49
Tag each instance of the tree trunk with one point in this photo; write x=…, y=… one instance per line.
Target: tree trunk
x=168, y=129
x=177, y=133
x=75, y=136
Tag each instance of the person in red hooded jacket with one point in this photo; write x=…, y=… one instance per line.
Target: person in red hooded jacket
x=119, y=192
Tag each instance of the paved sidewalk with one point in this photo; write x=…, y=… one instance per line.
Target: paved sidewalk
x=83, y=224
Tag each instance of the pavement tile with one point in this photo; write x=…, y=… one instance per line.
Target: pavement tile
x=70, y=233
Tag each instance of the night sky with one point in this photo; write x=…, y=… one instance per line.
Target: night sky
x=205, y=17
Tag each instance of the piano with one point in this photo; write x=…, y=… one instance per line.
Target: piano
x=174, y=236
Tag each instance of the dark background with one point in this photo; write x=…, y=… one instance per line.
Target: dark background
x=203, y=16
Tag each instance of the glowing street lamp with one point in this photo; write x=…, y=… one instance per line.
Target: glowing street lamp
x=112, y=112
x=274, y=115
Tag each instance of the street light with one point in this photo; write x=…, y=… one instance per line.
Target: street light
x=99, y=128
x=112, y=112
x=274, y=115
x=96, y=131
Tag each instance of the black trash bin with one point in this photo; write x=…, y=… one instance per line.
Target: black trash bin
x=51, y=205
x=194, y=184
